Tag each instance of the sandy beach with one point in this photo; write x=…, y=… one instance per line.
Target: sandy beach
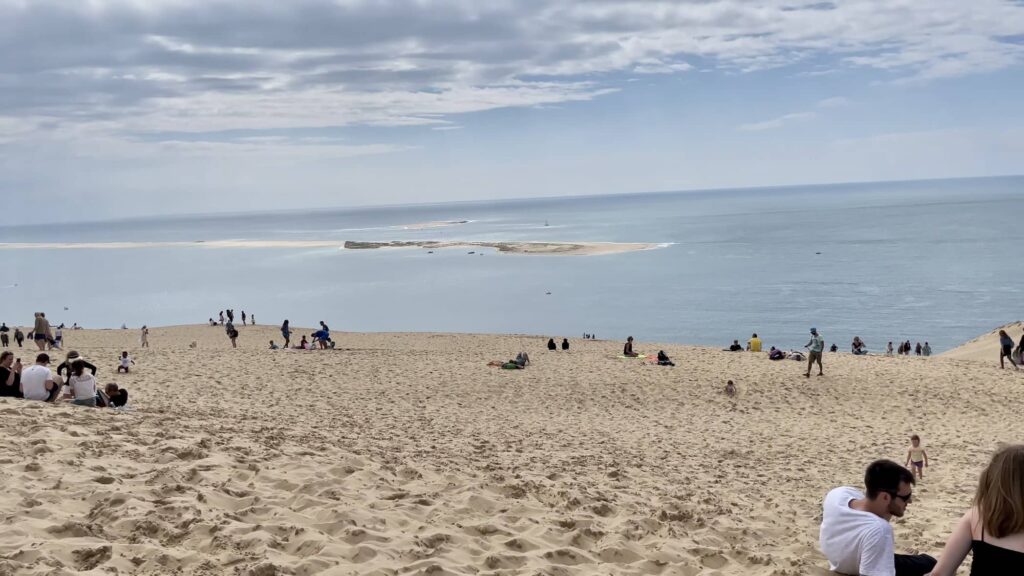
x=407, y=454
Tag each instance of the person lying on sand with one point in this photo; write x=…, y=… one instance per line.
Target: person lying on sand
x=112, y=396
x=273, y=346
x=776, y=354
x=627, y=350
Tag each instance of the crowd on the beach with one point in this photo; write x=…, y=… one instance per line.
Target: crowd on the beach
x=78, y=386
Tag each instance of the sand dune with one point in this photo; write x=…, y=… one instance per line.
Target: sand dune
x=406, y=454
x=985, y=348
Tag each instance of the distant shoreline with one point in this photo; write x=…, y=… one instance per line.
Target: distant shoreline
x=536, y=248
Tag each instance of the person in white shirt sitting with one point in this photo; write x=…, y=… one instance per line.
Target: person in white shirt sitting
x=855, y=533
x=82, y=385
x=37, y=381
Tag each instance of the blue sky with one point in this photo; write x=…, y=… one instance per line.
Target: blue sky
x=121, y=108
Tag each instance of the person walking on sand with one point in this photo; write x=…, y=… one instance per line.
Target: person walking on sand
x=229, y=328
x=231, y=315
x=5, y=340
x=19, y=336
x=917, y=349
x=286, y=333
x=41, y=331
x=993, y=529
x=888, y=349
x=855, y=534
x=815, y=347
x=221, y=317
x=1006, y=349
x=144, y=337
x=917, y=457
x=926, y=349
x=243, y=317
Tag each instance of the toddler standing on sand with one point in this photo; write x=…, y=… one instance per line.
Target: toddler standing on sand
x=126, y=362
x=917, y=456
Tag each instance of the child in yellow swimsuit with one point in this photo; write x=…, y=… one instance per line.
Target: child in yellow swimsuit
x=917, y=456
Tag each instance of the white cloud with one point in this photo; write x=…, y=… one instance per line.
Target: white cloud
x=834, y=102
x=776, y=122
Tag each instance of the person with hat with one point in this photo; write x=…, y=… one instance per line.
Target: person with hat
x=815, y=347
x=37, y=381
x=72, y=357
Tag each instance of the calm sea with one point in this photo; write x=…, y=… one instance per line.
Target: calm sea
x=937, y=261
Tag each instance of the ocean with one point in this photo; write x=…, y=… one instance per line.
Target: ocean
x=936, y=261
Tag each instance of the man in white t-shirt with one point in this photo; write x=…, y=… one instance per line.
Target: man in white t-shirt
x=37, y=380
x=855, y=533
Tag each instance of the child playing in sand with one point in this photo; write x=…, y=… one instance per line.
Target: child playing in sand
x=917, y=456
x=730, y=389
x=125, y=362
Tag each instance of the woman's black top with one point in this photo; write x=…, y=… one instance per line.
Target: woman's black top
x=992, y=560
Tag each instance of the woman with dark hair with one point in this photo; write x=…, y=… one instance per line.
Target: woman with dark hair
x=10, y=376
x=82, y=385
x=1006, y=349
x=286, y=333
x=551, y=344
x=993, y=529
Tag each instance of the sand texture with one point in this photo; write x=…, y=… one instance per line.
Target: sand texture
x=407, y=454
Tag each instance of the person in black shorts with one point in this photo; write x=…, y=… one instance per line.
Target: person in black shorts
x=1006, y=349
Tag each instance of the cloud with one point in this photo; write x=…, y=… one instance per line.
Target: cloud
x=775, y=122
x=834, y=102
x=193, y=65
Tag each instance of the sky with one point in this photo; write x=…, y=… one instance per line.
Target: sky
x=120, y=108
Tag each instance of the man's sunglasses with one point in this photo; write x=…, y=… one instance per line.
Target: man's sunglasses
x=906, y=499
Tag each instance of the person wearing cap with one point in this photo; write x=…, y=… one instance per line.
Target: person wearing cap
x=73, y=356
x=815, y=347
x=37, y=381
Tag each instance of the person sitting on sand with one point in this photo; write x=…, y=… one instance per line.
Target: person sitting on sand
x=735, y=347
x=993, y=529
x=303, y=344
x=522, y=360
x=213, y=322
x=10, y=375
x=551, y=344
x=856, y=536
x=776, y=354
x=1006, y=349
x=37, y=381
x=273, y=346
x=112, y=397
x=730, y=389
x=565, y=344
x=858, y=347
x=124, y=362
x=663, y=359
x=834, y=347
x=72, y=357
x=82, y=385
x=627, y=350
x=754, y=344
x=917, y=457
